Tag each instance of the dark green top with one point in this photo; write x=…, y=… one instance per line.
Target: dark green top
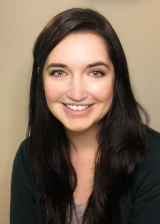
x=146, y=190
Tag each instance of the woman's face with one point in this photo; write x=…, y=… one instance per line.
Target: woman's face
x=78, y=71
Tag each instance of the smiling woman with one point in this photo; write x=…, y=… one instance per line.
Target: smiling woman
x=82, y=56
x=88, y=157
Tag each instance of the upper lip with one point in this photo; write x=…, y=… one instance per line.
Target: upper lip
x=75, y=104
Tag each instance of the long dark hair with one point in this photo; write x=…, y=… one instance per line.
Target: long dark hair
x=121, y=138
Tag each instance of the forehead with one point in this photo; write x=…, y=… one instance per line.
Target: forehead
x=79, y=47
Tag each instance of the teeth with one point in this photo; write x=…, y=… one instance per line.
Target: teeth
x=77, y=108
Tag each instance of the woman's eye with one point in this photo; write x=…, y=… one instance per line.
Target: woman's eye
x=57, y=73
x=97, y=74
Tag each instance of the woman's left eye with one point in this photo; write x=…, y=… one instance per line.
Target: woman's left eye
x=97, y=74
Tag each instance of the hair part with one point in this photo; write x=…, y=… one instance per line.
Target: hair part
x=121, y=138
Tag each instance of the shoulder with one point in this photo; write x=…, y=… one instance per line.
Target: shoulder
x=152, y=150
x=152, y=141
x=21, y=159
x=145, y=191
x=24, y=206
x=148, y=175
x=22, y=170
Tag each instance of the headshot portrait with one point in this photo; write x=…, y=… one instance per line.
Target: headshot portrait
x=89, y=151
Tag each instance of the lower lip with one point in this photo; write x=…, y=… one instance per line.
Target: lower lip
x=78, y=112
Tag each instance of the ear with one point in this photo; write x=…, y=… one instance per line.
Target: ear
x=38, y=70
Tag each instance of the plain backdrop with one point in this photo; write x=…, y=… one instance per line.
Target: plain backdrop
x=137, y=23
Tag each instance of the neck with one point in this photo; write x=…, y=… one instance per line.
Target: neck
x=83, y=141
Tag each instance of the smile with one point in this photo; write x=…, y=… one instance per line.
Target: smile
x=77, y=107
x=77, y=111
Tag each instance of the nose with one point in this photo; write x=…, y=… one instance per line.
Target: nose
x=77, y=90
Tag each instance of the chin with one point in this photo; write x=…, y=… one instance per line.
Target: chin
x=76, y=129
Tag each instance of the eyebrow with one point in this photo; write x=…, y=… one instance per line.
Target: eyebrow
x=88, y=66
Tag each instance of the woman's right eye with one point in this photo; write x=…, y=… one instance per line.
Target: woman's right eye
x=57, y=73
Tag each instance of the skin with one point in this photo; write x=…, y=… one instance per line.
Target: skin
x=76, y=84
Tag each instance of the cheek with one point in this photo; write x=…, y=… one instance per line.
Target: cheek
x=104, y=92
x=52, y=93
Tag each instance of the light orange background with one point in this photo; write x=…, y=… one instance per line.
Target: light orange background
x=137, y=23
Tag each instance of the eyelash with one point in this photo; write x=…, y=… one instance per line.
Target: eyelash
x=54, y=71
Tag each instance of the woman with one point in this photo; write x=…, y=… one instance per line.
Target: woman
x=88, y=157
